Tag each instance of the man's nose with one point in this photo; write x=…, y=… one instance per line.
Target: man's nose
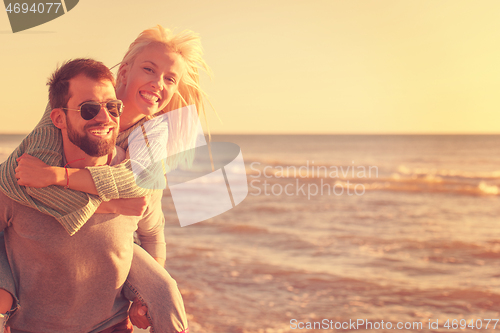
x=103, y=116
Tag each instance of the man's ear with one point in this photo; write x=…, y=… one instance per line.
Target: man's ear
x=58, y=118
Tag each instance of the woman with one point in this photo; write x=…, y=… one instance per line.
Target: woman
x=158, y=74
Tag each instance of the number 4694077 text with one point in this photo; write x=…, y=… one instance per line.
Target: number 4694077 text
x=18, y=8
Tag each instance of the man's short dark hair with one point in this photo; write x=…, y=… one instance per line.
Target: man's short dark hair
x=59, y=81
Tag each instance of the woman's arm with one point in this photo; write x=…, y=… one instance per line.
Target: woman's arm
x=114, y=182
x=31, y=171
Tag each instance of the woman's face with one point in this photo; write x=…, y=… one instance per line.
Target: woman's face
x=151, y=81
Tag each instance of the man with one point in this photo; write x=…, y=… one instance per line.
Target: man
x=74, y=283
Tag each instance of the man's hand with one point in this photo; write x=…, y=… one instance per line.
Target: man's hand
x=130, y=207
x=137, y=314
x=33, y=172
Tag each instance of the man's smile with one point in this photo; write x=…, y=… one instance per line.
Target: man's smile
x=101, y=131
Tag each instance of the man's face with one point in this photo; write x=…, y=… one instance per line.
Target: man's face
x=96, y=137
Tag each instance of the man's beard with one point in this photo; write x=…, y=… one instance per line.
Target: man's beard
x=92, y=147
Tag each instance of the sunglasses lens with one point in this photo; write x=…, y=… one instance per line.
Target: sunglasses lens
x=90, y=110
x=114, y=108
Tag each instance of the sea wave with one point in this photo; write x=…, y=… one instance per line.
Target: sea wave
x=401, y=179
x=427, y=185
x=447, y=173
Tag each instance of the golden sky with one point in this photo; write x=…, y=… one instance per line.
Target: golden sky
x=334, y=66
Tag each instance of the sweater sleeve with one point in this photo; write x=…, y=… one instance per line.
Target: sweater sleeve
x=71, y=208
x=119, y=181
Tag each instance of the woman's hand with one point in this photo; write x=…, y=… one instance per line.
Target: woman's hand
x=33, y=172
x=137, y=314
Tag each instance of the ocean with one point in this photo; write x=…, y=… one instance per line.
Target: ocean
x=346, y=232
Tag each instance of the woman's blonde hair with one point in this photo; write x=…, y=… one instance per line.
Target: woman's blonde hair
x=182, y=127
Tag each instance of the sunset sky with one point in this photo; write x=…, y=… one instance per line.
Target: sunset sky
x=363, y=66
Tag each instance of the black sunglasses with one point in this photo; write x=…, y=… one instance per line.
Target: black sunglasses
x=89, y=110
